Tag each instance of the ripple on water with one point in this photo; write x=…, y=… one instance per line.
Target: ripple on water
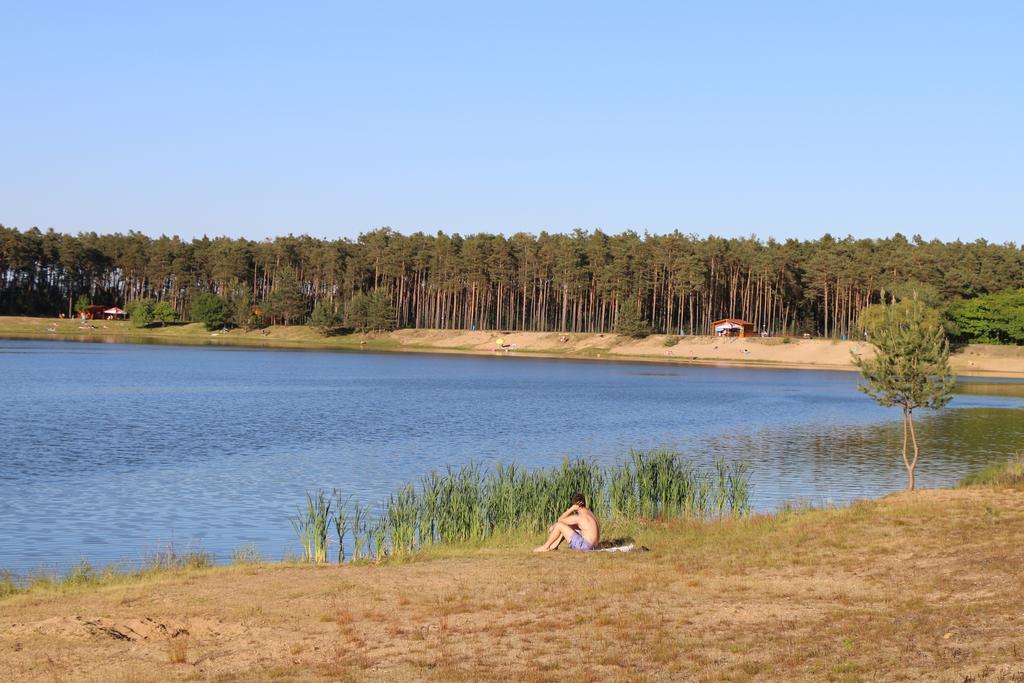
x=114, y=451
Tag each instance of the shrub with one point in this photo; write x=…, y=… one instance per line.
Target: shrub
x=140, y=312
x=325, y=319
x=164, y=313
x=211, y=310
x=630, y=322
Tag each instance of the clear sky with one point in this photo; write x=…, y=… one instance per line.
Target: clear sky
x=734, y=118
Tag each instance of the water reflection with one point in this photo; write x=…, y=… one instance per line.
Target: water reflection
x=113, y=449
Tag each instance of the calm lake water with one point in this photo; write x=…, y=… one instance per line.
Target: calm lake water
x=111, y=451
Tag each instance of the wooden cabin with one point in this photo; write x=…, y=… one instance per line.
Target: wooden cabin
x=94, y=312
x=733, y=327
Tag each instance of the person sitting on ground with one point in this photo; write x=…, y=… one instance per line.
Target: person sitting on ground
x=577, y=525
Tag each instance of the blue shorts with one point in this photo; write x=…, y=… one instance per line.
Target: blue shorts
x=577, y=542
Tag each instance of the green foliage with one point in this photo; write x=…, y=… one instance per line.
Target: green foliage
x=630, y=322
x=568, y=282
x=211, y=310
x=82, y=302
x=1009, y=473
x=990, y=319
x=341, y=524
x=371, y=312
x=671, y=340
x=243, y=313
x=357, y=315
x=140, y=312
x=287, y=302
x=145, y=312
x=927, y=294
x=163, y=312
x=911, y=364
x=878, y=317
x=471, y=504
x=311, y=524
x=325, y=319
x=380, y=315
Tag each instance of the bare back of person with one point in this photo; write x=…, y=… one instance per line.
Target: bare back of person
x=577, y=525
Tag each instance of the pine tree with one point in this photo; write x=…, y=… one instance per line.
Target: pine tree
x=381, y=314
x=211, y=310
x=630, y=323
x=910, y=368
x=287, y=301
x=357, y=317
x=324, y=318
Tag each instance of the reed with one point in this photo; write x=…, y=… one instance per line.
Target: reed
x=247, y=554
x=359, y=533
x=401, y=519
x=470, y=504
x=341, y=524
x=311, y=526
x=379, y=534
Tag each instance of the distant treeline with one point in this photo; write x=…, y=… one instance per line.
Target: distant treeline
x=547, y=282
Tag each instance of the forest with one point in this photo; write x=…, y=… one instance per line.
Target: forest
x=573, y=282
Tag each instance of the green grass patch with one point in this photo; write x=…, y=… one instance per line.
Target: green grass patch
x=471, y=504
x=1010, y=473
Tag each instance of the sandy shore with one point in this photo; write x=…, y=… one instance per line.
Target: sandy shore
x=924, y=586
x=774, y=352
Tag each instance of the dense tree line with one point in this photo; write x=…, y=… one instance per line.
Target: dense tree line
x=991, y=319
x=559, y=282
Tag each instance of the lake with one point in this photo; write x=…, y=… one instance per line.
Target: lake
x=112, y=451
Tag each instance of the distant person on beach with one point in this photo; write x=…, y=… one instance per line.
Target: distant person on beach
x=577, y=525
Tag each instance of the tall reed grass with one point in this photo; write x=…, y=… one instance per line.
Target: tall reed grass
x=471, y=503
x=311, y=525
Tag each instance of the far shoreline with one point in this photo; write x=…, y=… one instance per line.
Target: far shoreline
x=770, y=353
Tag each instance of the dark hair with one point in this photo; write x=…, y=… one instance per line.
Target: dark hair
x=578, y=499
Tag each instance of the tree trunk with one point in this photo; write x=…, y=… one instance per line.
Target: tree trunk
x=913, y=439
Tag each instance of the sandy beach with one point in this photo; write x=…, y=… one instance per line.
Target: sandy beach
x=977, y=360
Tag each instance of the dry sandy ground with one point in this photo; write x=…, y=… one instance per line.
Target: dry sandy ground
x=980, y=360
x=925, y=586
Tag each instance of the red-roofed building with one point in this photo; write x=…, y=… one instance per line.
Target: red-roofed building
x=733, y=327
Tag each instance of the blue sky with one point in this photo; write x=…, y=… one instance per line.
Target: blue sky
x=768, y=118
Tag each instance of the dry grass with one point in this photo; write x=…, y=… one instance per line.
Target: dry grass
x=177, y=650
x=919, y=586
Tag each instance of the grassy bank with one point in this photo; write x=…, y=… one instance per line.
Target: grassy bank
x=913, y=586
x=976, y=360
x=1008, y=474
x=473, y=504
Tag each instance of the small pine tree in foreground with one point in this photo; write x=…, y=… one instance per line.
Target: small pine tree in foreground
x=911, y=365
